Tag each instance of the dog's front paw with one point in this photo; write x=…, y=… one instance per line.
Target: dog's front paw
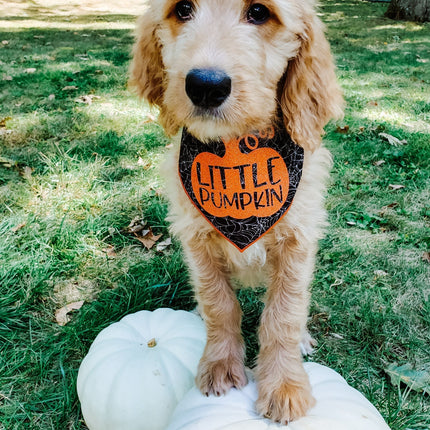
x=217, y=377
x=286, y=403
x=307, y=344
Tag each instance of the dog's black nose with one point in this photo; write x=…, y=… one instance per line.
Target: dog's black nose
x=207, y=88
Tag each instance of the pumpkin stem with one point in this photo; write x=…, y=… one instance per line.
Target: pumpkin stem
x=151, y=343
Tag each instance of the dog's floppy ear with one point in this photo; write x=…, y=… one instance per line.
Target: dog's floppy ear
x=310, y=95
x=147, y=69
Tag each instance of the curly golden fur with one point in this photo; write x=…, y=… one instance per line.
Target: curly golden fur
x=282, y=63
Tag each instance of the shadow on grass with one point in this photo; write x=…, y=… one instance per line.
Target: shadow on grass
x=47, y=15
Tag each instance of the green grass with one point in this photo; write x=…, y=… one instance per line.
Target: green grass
x=73, y=175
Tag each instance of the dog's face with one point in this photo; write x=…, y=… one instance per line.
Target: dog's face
x=215, y=66
x=223, y=60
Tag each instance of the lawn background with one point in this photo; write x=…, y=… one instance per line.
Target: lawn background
x=78, y=162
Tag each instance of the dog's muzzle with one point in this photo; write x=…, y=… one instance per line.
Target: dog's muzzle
x=207, y=88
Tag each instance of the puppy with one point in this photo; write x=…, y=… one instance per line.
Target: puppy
x=235, y=76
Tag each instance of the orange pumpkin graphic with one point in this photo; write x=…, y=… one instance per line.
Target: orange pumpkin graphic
x=239, y=184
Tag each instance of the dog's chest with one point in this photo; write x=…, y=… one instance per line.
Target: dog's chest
x=248, y=267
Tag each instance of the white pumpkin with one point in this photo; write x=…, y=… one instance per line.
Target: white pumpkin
x=138, y=369
x=338, y=407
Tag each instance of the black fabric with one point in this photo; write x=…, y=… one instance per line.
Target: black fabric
x=239, y=229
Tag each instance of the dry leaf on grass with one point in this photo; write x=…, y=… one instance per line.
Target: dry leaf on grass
x=380, y=273
x=136, y=225
x=393, y=140
x=385, y=208
x=30, y=70
x=426, y=256
x=343, y=129
x=4, y=120
x=163, y=245
x=395, y=186
x=149, y=239
x=27, y=172
x=70, y=88
x=379, y=163
x=87, y=98
x=110, y=251
x=18, y=227
x=143, y=233
x=62, y=315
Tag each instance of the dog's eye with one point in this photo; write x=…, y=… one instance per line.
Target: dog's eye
x=257, y=14
x=184, y=10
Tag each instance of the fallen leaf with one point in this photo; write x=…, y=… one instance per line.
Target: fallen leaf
x=137, y=225
x=336, y=336
x=3, y=121
x=18, y=227
x=110, y=251
x=69, y=88
x=395, y=186
x=5, y=42
x=30, y=70
x=163, y=245
x=426, y=256
x=7, y=78
x=379, y=163
x=27, y=172
x=343, y=129
x=51, y=97
x=373, y=103
x=149, y=239
x=393, y=140
x=385, y=208
x=85, y=99
x=62, y=315
x=380, y=273
x=38, y=37
x=143, y=233
x=417, y=380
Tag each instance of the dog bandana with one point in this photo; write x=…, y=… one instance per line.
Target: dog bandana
x=242, y=186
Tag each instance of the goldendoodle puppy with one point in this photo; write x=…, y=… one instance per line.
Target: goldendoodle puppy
x=247, y=87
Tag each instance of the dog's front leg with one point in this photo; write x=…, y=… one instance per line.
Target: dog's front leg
x=221, y=366
x=283, y=385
